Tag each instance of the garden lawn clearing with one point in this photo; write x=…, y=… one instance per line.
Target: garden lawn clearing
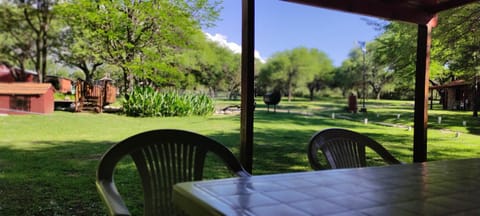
x=48, y=162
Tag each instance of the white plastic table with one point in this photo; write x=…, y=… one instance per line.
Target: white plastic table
x=431, y=188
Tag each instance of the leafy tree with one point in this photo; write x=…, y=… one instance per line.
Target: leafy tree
x=222, y=70
x=395, y=52
x=212, y=65
x=394, y=58
x=16, y=44
x=231, y=67
x=379, y=70
x=29, y=25
x=379, y=79
x=461, y=54
x=75, y=48
x=295, y=68
x=142, y=37
x=395, y=49
x=374, y=65
x=322, y=68
x=58, y=70
x=266, y=82
x=110, y=71
x=202, y=62
x=77, y=75
x=348, y=77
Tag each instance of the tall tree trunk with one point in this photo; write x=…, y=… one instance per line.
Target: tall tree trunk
x=125, y=82
x=38, y=59
x=211, y=91
x=290, y=86
x=344, y=92
x=312, y=91
x=476, y=100
x=289, y=91
x=44, y=54
x=42, y=15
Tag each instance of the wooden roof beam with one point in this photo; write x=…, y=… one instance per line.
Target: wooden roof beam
x=446, y=5
x=407, y=11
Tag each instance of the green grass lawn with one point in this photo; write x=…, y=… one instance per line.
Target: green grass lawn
x=48, y=162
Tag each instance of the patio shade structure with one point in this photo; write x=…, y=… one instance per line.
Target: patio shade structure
x=420, y=12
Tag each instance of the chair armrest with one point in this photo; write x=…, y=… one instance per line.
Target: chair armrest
x=242, y=173
x=112, y=198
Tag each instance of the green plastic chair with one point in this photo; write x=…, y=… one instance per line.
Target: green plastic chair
x=162, y=158
x=343, y=148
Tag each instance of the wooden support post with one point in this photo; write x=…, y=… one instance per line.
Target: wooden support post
x=431, y=99
x=248, y=94
x=421, y=93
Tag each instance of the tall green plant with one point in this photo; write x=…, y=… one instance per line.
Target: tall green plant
x=147, y=102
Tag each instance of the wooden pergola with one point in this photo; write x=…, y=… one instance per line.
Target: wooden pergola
x=420, y=12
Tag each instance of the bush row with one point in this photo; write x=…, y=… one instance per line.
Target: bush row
x=147, y=102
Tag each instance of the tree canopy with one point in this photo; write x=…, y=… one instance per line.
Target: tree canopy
x=161, y=44
x=292, y=69
x=27, y=26
x=140, y=37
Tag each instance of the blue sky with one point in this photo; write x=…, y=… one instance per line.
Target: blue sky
x=281, y=26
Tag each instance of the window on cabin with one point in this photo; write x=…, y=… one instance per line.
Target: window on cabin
x=20, y=103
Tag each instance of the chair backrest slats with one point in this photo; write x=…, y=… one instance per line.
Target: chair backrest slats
x=189, y=162
x=162, y=158
x=344, y=149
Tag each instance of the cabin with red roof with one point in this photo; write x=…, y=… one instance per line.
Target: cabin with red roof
x=26, y=98
x=6, y=74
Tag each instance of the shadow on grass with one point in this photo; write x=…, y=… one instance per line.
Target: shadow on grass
x=285, y=150
x=53, y=178
x=455, y=119
x=58, y=178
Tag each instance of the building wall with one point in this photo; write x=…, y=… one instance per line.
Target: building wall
x=4, y=103
x=459, y=98
x=451, y=99
x=23, y=104
x=62, y=85
x=65, y=85
x=5, y=75
x=43, y=103
x=15, y=104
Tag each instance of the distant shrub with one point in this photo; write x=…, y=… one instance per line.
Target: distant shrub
x=147, y=102
x=63, y=96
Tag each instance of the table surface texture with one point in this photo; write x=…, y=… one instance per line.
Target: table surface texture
x=432, y=188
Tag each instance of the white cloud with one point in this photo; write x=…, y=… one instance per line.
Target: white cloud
x=222, y=41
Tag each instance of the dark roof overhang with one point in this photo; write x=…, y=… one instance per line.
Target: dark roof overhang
x=412, y=11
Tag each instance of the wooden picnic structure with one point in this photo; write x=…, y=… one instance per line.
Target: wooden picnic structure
x=89, y=96
x=93, y=96
x=423, y=13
